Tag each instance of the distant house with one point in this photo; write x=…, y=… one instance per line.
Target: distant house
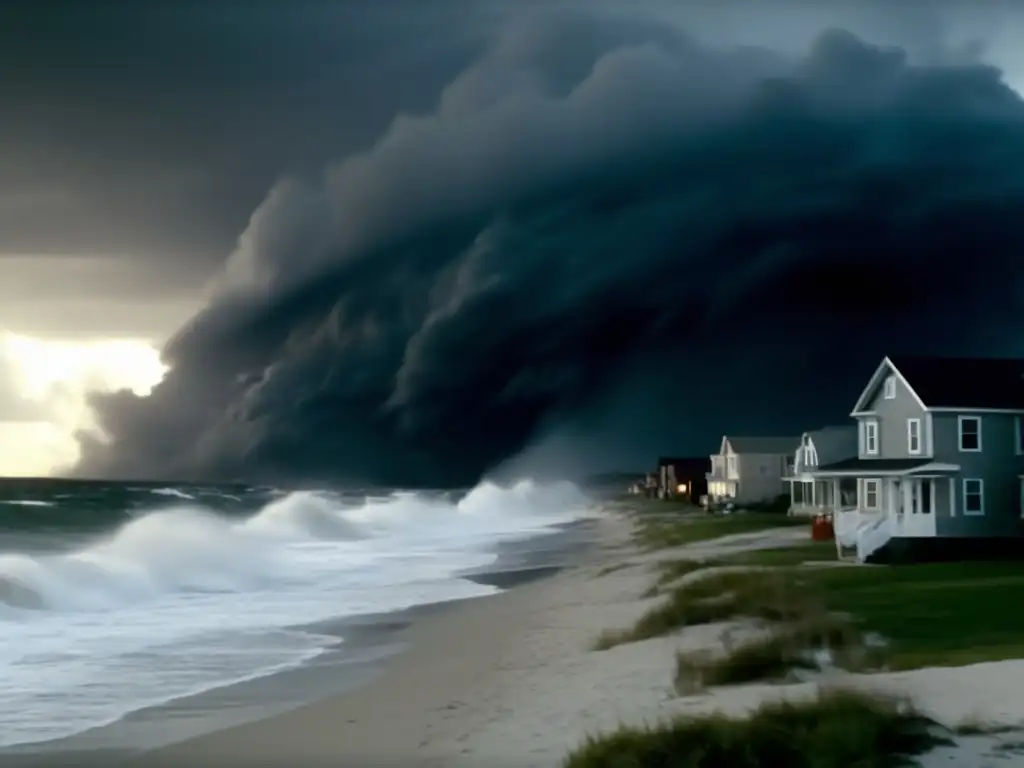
x=750, y=470
x=939, y=470
x=810, y=494
x=683, y=478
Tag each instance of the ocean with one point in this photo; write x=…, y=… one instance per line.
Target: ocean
x=117, y=597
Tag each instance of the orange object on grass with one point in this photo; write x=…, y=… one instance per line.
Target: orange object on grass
x=821, y=529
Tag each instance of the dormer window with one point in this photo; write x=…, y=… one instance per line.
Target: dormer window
x=890, y=388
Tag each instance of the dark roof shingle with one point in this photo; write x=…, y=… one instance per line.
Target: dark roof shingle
x=961, y=382
x=763, y=444
x=870, y=465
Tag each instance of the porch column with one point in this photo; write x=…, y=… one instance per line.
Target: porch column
x=837, y=502
x=814, y=493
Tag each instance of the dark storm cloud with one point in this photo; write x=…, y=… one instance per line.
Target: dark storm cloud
x=152, y=130
x=624, y=247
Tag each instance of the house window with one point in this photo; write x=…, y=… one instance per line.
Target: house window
x=871, y=494
x=974, y=496
x=913, y=435
x=731, y=459
x=970, y=432
x=871, y=437
x=890, y=388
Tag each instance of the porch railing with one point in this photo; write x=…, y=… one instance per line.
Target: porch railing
x=873, y=537
x=864, y=531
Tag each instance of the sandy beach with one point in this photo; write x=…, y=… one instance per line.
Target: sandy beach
x=510, y=680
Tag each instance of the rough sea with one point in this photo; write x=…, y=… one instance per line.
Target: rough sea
x=115, y=597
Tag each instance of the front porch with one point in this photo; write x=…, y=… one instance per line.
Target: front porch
x=721, y=487
x=882, y=499
x=811, y=496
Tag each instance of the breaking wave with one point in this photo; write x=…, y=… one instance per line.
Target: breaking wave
x=188, y=548
x=185, y=598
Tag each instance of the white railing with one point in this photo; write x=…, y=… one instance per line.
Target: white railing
x=872, y=537
x=864, y=531
x=846, y=522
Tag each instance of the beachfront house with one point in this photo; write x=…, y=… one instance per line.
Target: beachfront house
x=750, y=470
x=939, y=470
x=683, y=479
x=809, y=494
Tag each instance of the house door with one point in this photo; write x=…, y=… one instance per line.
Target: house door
x=918, y=507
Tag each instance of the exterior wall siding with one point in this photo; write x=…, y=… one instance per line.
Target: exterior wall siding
x=761, y=476
x=892, y=416
x=997, y=465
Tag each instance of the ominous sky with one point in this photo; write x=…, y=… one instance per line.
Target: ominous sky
x=415, y=242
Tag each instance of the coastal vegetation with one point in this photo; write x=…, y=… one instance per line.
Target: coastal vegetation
x=838, y=729
x=927, y=615
x=796, y=611
x=658, y=531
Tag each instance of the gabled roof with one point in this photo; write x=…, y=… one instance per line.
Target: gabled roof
x=955, y=382
x=832, y=429
x=763, y=444
x=950, y=382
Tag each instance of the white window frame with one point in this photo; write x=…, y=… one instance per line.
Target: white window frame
x=960, y=433
x=877, y=486
x=980, y=494
x=889, y=388
x=911, y=423
x=871, y=436
x=730, y=465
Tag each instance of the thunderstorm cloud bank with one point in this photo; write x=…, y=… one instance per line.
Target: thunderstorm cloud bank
x=594, y=253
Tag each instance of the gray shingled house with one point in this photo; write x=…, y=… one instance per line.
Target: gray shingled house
x=939, y=468
x=749, y=470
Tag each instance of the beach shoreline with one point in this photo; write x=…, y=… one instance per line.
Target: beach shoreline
x=513, y=680
x=366, y=644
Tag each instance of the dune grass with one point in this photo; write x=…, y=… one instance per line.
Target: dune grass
x=811, y=553
x=719, y=596
x=776, y=655
x=839, y=729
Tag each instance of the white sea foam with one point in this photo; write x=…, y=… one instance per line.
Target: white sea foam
x=171, y=492
x=183, y=600
x=27, y=503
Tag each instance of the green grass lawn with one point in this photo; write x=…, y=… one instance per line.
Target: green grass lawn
x=809, y=552
x=661, y=533
x=935, y=614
